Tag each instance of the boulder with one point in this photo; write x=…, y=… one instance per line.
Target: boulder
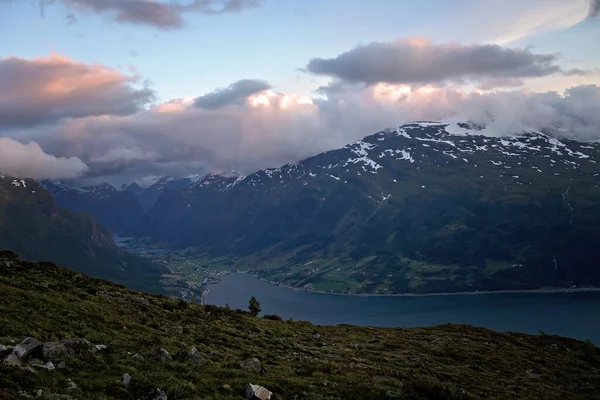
x=55, y=351
x=26, y=347
x=101, y=347
x=138, y=356
x=251, y=365
x=161, y=354
x=79, y=345
x=66, y=348
x=11, y=360
x=157, y=394
x=256, y=392
x=126, y=378
x=192, y=356
x=71, y=385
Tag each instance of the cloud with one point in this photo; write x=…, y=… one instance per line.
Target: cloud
x=594, y=8
x=419, y=61
x=269, y=129
x=500, y=22
x=235, y=93
x=161, y=15
x=47, y=89
x=30, y=161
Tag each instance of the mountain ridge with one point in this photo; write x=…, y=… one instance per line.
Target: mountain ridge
x=398, y=201
x=34, y=226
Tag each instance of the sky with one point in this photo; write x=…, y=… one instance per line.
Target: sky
x=123, y=90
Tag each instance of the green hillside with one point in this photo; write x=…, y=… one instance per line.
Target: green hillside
x=298, y=360
x=33, y=226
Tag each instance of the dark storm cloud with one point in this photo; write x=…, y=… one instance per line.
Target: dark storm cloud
x=44, y=90
x=594, y=8
x=418, y=61
x=161, y=15
x=235, y=93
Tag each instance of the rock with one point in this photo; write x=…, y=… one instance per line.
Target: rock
x=26, y=347
x=4, y=350
x=25, y=395
x=54, y=351
x=256, y=392
x=157, y=394
x=79, y=345
x=39, y=393
x=66, y=348
x=29, y=369
x=140, y=300
x=251, y=365
x=101, y=347
x=61, y=365
x=192, y=356
x=138, y=356
x=316, y=336
x=71, y=385
x=161, y=354
x=49, y=366
x=11, y=360
x=126, y=378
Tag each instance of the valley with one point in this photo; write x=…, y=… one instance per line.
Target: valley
x=423, y=208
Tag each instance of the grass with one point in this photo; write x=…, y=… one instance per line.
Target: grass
x=342, y=362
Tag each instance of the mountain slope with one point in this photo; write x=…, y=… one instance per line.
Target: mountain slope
x=427, y=207
x=295, y=359
x=147, y=196
x=32, y=225
x=114, y=209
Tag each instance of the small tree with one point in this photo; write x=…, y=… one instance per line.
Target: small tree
x=254, y=306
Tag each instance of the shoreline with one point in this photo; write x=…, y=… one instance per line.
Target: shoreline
x=556, y=290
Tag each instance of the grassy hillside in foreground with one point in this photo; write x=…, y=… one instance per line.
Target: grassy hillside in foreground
x=299, y=360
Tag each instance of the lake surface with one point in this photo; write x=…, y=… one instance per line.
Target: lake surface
x=124, y=242
x=574, y=315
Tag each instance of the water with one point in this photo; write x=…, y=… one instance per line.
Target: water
x=574, y=315
x=125, y=243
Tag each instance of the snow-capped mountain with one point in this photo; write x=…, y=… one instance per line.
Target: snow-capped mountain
x=514, y=211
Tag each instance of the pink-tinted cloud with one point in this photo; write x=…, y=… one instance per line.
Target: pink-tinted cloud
x=47, y=89
x=270, y=129
x=91, y=116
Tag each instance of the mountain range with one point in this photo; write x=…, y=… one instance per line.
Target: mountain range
x=425, y=207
